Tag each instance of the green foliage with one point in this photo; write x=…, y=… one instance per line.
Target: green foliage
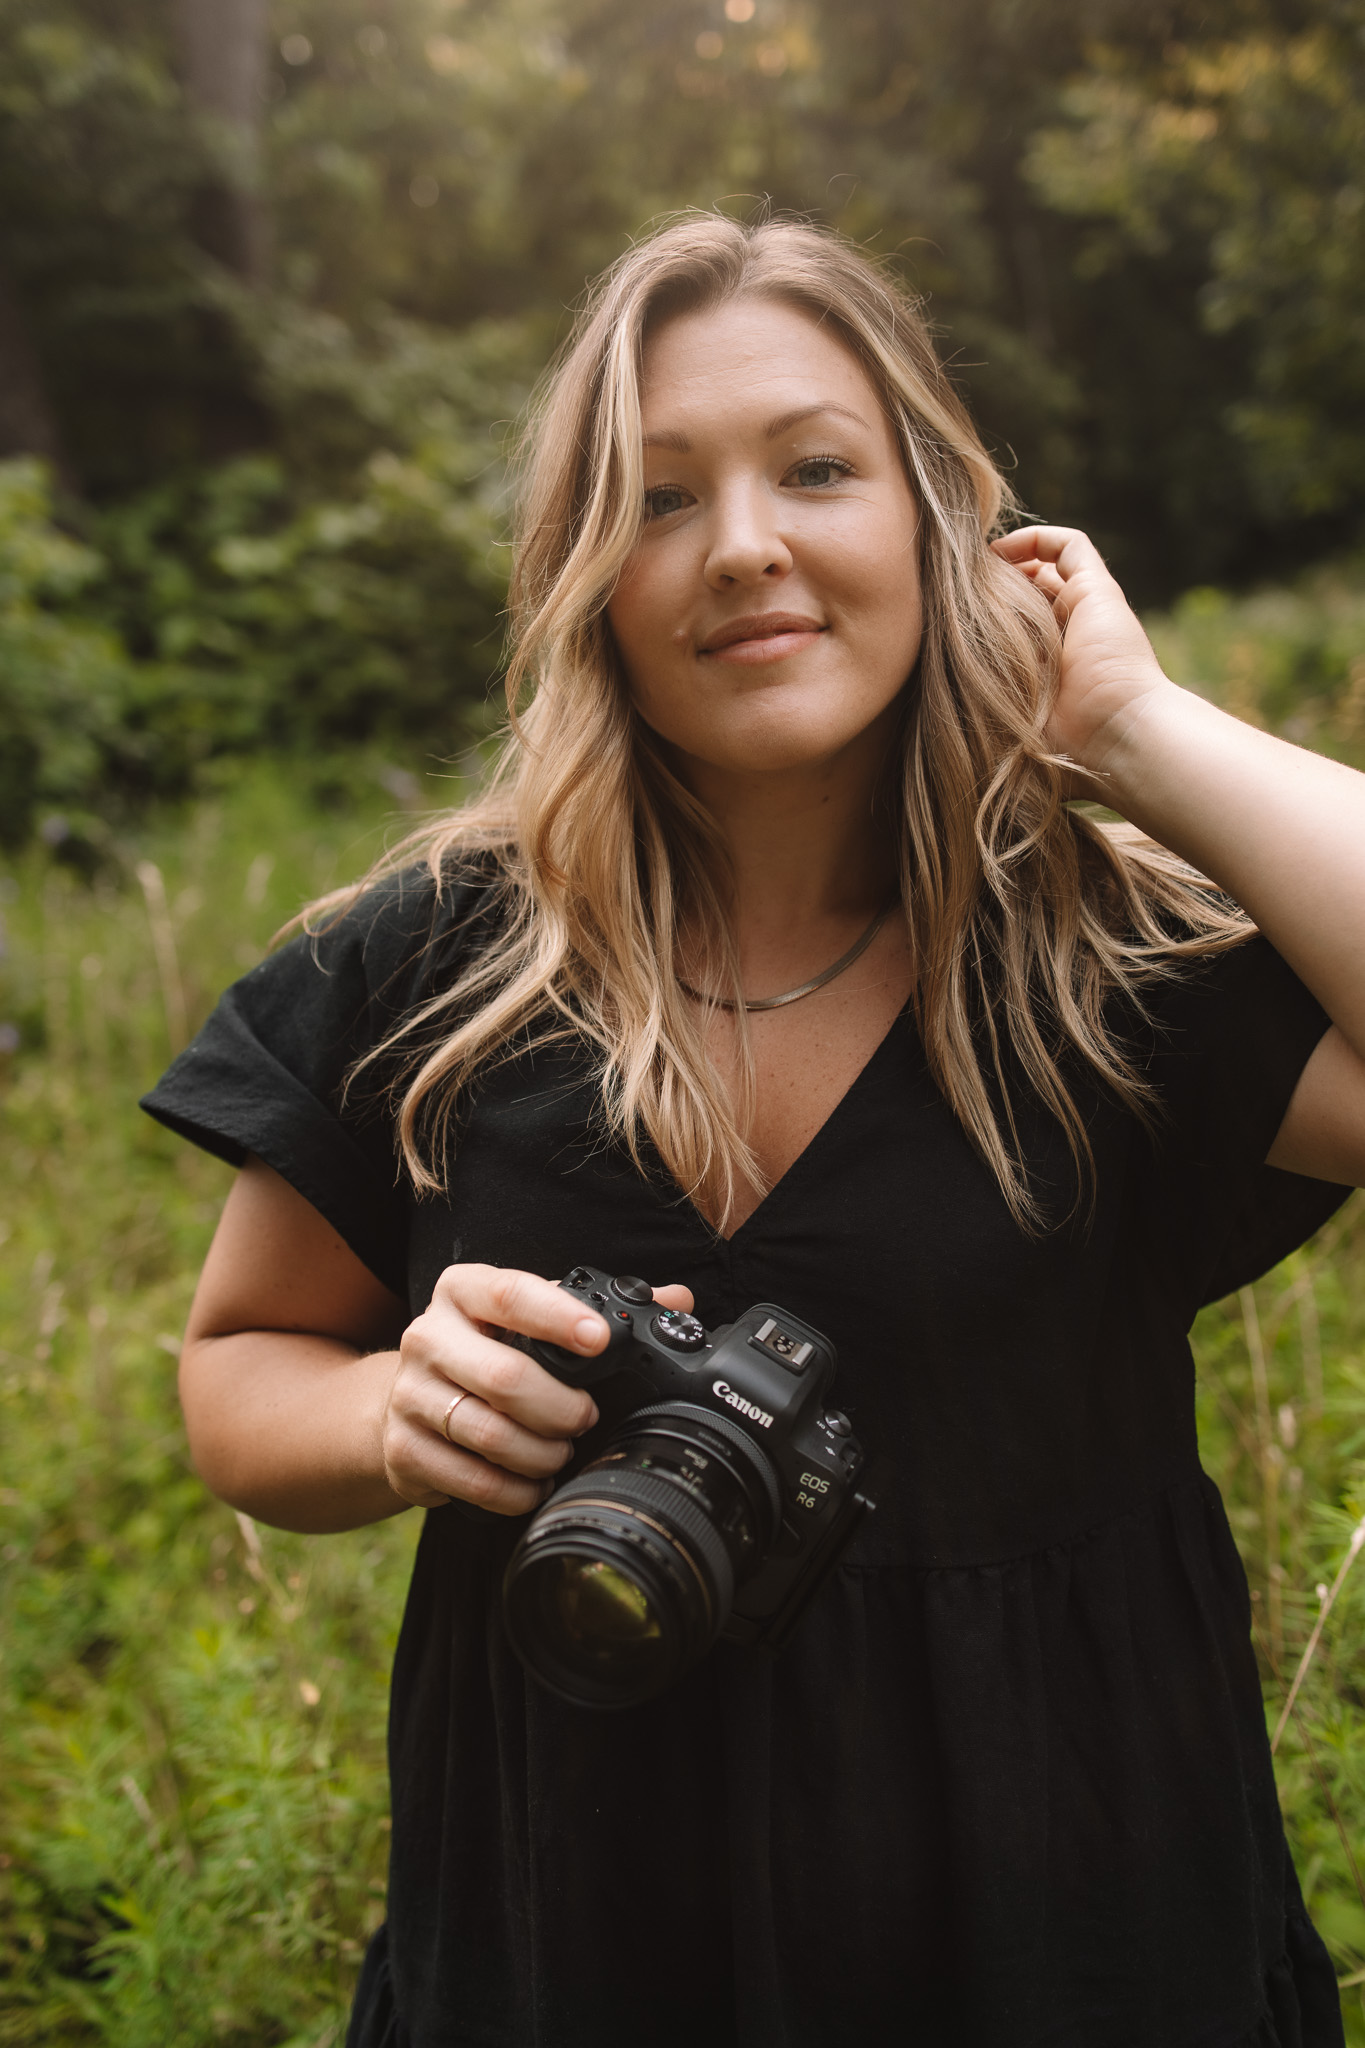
x=1137, y=221
x=356, y=589
x=65, y=686
x=1291, y=660
x=193, y=1807
x=1252, y=148
x=100, y=172
x=373, y=613
x=1282, y=1429
x=253, y=604
x=353, y=583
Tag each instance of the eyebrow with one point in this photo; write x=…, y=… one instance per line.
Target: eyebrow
x=774, y=429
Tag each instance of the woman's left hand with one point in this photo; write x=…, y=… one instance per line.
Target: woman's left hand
x=1108, y=666
x=1280, y=829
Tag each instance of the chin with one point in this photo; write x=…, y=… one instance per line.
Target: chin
x=767, y=723
x=768, y=746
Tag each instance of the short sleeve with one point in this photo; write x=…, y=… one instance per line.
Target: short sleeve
x=268, y=1072
x=1230, y=1038
x=1232, y=1035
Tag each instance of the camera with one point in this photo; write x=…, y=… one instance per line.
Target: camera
x=709, y=1501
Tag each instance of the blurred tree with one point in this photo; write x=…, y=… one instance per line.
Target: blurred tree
x=1106, y=381
x=461, y=159
x=27, y=423
x=1244, y=158
x=1154, y=324
x=222, y=47
x=100, y=172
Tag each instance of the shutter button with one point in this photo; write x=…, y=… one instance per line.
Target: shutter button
x=837, y=1424
x=627, y=1288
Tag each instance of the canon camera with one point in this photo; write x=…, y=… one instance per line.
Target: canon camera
x=710, y=1500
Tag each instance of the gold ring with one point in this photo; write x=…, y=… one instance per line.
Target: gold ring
x=445, y=1419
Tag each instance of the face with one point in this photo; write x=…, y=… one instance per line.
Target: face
x=771, y=613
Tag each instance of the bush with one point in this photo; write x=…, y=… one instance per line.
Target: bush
x=351, y=585
x=65, y=685
x=350, y=588
x=88, y=731
x=336, y=619
x=1291, y=660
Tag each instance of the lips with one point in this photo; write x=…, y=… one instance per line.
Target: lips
x=760, y=626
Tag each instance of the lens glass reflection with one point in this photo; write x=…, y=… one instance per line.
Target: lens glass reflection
x=598, y=1619
x=598, y=1605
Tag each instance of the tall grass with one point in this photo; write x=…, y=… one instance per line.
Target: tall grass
x=192, y=1805
x=192, y=1802
x=1282, y=1430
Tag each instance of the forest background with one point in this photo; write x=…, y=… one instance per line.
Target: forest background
x=276, y=279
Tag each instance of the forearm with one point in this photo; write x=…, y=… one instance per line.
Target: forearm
x=1282, y=830
x=289, y=1427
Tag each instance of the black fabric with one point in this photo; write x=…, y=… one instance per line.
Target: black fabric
x=1009, y=1781
x=374, y=2018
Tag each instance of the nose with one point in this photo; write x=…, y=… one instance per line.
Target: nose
x=746, y=544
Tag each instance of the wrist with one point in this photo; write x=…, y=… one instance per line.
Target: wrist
x=380, y=1370
x=1161, y=729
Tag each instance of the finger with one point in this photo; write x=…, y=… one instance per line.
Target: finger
x=511, y=1300
x=472, y=1425
x=443, y=1345
x=422, y=1468
x=675, y=1297
x=1045, y=578
x=1045, y=544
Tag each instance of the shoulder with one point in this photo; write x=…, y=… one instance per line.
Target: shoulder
x=361, y=967
x=271, y=1071
x=1204, y=995
x=1224, y=1036
x=286, y=1037
x=409, y=932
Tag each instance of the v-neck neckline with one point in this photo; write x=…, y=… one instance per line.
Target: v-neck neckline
x=792, y=1172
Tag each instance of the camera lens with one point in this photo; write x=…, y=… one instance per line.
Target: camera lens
x=598, y=1620
x=624, y=1579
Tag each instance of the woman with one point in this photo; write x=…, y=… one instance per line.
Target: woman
x=799, y=723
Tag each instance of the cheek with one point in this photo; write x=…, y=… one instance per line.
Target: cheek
x=643, y=610
x=879, y=597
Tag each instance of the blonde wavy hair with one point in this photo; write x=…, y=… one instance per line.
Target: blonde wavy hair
x=1025, y=915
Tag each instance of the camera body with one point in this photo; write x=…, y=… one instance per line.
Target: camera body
x=734, y=1423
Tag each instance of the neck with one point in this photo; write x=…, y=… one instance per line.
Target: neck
x=807, y=844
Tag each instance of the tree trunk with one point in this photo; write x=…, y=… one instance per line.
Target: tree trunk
x=223, y=48
x=27, y=423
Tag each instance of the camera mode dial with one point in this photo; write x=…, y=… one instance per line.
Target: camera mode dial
x=679, y=1331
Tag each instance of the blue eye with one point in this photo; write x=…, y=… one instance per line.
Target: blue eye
x=663, y=499
x=818, y=472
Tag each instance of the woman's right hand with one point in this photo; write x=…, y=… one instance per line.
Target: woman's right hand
x=302, y=1412
x=512, y=1425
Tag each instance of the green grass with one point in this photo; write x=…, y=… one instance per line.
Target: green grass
x=1282, y=1429
x=1290, y=659
x=193, y=1804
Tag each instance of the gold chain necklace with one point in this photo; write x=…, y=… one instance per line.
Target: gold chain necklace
x=807, y=988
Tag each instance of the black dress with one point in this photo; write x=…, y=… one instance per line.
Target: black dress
x=1008, y=1786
